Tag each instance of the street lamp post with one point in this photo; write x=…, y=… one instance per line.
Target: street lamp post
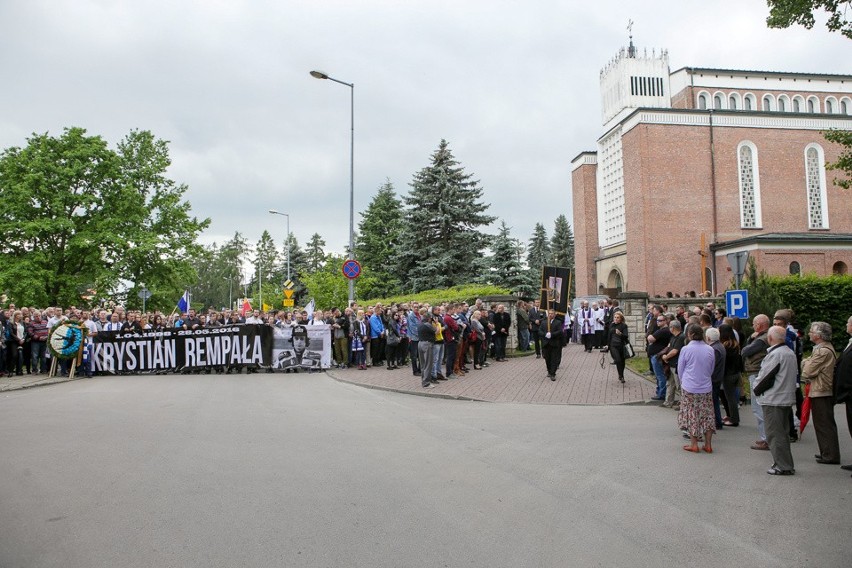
x=287, y=242
x=321, y=75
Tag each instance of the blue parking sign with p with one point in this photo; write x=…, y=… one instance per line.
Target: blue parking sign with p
x=736, y=303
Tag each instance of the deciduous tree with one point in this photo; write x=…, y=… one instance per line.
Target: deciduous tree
x=77, y=215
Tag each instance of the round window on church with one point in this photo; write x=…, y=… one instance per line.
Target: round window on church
x=795, y=268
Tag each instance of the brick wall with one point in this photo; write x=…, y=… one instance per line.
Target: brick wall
x=669, y=199
x=584, y=184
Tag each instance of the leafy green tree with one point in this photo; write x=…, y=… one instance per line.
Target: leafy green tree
x=442, y=238
x=219, y=272
x=315, y=257
x=785, y=13
x=378, y=240
x=506, y=269
x=77, y=215
x=844, y=161
x=328, y=286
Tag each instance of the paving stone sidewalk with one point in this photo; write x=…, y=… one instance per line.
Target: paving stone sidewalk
x=580, y=380
x=25, y=381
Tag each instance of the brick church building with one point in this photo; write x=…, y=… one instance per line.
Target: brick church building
x=698, y=163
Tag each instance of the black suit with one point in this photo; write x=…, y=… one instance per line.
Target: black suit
x=536, y=314
x=551, y=347
x=843, y=383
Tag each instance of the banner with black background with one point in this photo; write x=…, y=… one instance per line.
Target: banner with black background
x=217, y=347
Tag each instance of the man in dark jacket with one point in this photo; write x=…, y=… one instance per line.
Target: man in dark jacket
x=843, y=382
x=551, y=332
x=502, y=324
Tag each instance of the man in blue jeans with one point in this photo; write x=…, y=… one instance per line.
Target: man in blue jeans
x=657, y=342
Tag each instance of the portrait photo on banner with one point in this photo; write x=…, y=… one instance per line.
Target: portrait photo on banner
x=301, y=348
x=555, y=285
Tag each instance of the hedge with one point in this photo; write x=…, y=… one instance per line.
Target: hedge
x=466, y=293
x=811, y=297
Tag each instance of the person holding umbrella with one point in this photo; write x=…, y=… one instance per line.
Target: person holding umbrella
x=843, y=382
x=818, y=373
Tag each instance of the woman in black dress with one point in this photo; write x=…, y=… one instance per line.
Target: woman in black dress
x=616, y=341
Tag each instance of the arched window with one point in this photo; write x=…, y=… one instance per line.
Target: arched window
x=718, y=101
x=783, y=103
x=795, y=268
x=749, y=185
x=813, y=104
x=839, y=268
x=816, y=191
x=703, y=101
x=845, y=106
x=749, y=102
x=734, y=101
x=767, y=103
x=614, y=280
x=798, y=103
x=830, y=105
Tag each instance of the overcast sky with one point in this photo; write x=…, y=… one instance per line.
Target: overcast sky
x=513, y=87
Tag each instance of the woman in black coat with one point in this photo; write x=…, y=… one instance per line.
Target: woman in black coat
x=618, y=338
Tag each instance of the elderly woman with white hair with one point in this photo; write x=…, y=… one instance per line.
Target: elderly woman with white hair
x=818, y=370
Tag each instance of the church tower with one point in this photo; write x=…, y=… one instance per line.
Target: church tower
x=630, y=81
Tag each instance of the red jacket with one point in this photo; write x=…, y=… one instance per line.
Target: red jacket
x=452, y=328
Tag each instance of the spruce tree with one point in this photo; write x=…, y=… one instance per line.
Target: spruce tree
x=265, y=260
x=506, y=269
x=538, y=252
x=315, y=254
x=442, y=238
x=378, y=239
x=562, y=244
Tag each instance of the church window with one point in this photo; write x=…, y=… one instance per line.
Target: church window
x=749, y=186
x=813, y=105
x=702, y=101
x=767, y=103
x=798, y=103
x=845, y=106
x=717, y=101
x=733, y=103
x=830, y=105
x=783, y=104
x=748, y=102
x=839, y=268
x=795, y=268
x=815, y=178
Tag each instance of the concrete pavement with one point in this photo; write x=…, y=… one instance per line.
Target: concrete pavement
x=303, y=471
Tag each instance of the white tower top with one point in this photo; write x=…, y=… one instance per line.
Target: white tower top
x=631, y=81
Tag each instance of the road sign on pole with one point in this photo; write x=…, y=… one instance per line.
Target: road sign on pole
x=352, y=269
x=736, y=303
x=738, y=261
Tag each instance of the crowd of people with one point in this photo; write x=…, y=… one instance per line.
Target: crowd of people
x=463, y=336
x=699, y=359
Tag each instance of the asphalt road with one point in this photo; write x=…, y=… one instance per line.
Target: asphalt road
x=300, y=470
